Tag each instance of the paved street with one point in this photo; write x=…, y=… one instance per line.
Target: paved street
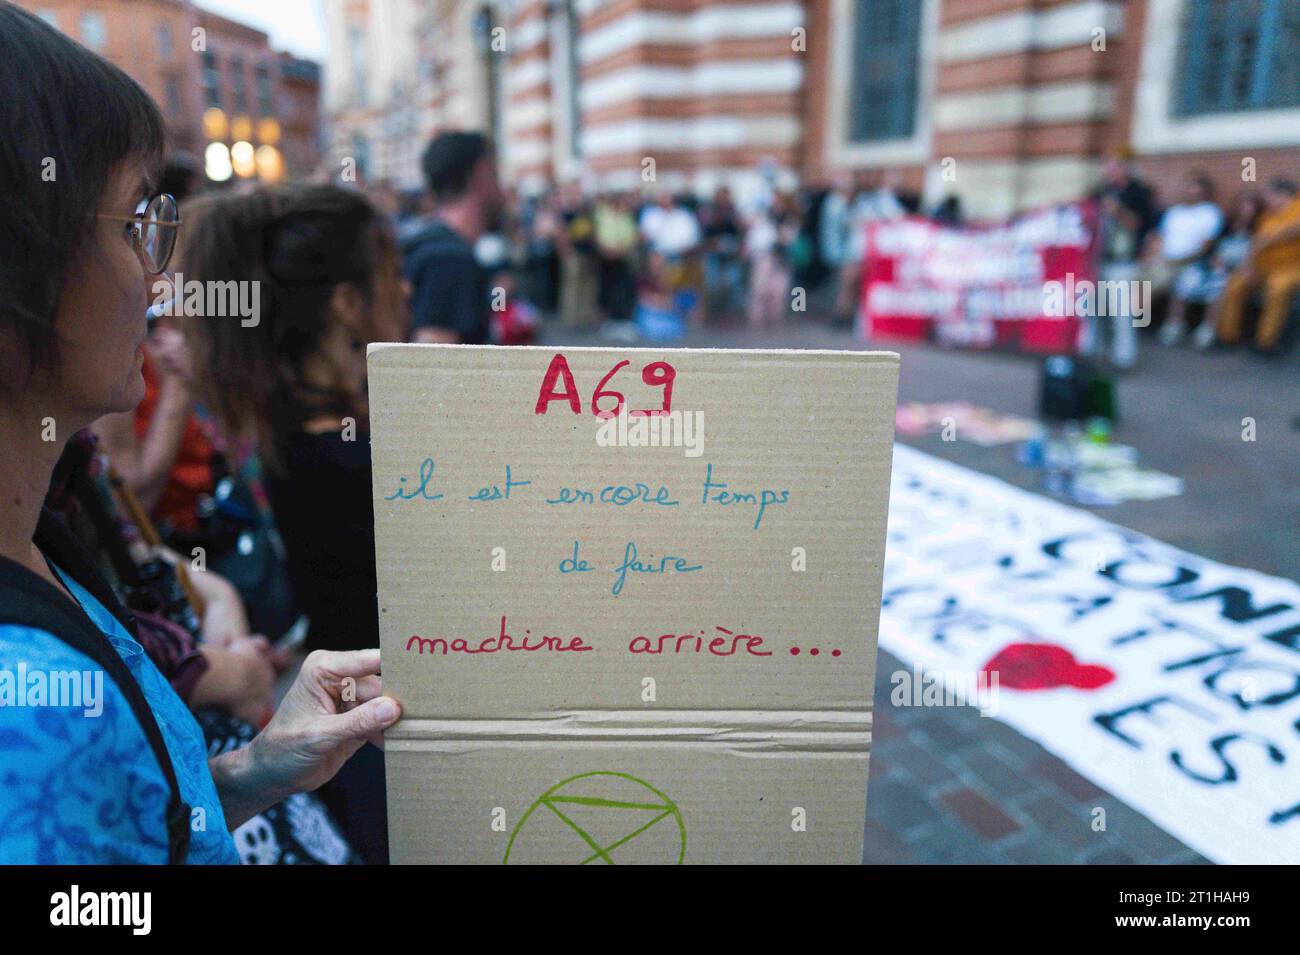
x=948, y=786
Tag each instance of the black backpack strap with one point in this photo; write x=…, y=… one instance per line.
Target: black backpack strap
x=27, y=600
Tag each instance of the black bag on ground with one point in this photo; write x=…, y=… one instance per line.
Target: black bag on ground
x=1072, y=389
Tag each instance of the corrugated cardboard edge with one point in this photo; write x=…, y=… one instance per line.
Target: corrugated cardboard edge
x=378, y=348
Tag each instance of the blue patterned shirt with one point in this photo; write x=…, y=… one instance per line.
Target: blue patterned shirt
x=81, y=787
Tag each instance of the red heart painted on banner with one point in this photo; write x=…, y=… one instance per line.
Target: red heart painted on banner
x=1044, y=666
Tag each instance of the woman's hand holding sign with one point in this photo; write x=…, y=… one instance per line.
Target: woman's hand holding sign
x=333, y=708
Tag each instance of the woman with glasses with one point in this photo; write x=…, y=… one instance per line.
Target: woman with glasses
x=160, y=449
x=99, y=759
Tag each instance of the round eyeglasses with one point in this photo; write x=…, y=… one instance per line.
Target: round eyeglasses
x=153, y=231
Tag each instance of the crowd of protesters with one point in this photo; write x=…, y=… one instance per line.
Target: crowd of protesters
x=1197, y=255
x=204, y=509
x=613, y=260
x=603, y=260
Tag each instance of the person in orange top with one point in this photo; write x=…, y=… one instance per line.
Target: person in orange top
x=1272, y=264
x=160, y=449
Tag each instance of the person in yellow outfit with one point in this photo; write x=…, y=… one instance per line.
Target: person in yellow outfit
x=1272, y=264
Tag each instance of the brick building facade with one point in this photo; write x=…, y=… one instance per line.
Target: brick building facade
x=222, y=85
x=1006, y=103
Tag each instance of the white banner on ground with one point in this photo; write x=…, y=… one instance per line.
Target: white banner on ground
x=1170, y=680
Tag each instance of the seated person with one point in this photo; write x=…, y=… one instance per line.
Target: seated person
x=1272, y=265
x=1203, y=281
x=1178, y=248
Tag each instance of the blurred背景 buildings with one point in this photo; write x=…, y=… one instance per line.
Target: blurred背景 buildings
x=241, y=108
x=1025, y=97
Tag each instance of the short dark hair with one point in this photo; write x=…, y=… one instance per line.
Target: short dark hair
x=449, y=160
x=68, y=118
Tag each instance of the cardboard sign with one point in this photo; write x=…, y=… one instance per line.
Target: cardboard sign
x=629, y=600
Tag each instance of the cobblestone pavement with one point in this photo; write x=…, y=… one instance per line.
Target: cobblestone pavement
x=950, y=786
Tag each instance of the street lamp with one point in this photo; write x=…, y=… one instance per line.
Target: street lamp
x=216, y=162
x=243, y=158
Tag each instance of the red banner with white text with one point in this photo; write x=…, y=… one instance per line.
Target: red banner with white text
x=978, y=286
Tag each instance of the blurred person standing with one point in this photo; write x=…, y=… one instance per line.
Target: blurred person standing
x=768, y=245
x=878, y=203
x=450, y=293
x=616, y=242
x=669, y=228
x=871, y=203
x=542, y=225
x=834, y=241
x=671, y=231
x=579, y=266
x=722, y=240
x=1127, y=213
x=1272, y=265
